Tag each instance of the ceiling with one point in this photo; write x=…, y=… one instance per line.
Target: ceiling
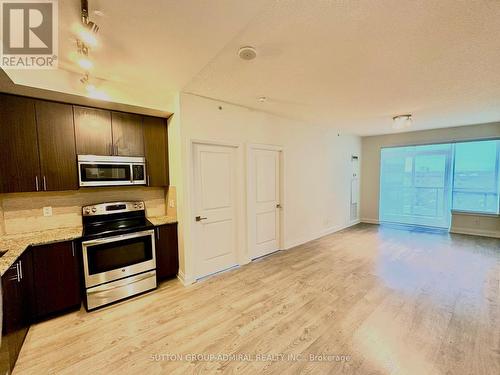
x=351, y=65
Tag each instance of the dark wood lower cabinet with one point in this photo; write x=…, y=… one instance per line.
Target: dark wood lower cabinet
x=167, y=255
x=44, y=281
x=17, y=289
x=56, y=278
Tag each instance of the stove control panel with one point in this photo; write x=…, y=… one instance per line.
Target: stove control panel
x=112, y=208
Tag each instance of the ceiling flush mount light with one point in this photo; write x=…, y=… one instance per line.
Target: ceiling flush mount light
x=402, y=121
x=247, y=53
x=262, y=99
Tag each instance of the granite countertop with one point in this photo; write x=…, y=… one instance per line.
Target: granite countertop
x=162, y=220
x=15, y=244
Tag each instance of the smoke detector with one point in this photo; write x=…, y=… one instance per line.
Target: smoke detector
x=247, y=53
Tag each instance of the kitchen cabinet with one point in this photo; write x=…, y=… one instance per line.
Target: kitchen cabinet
x=127, y=134
x=56, y=141
x=156, y=151
x=56, y=279
x=167, y=254
x=93, y=131
x=40, y=141
x=20, y=169
x=17, y=292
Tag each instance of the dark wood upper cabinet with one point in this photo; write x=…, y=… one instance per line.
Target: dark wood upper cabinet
x=156, y=151
x=40, y=141
x=93, y=131
x=20, y=169
x=167, y=255
x=56, y=140
x=127, y=134
x=56, y=278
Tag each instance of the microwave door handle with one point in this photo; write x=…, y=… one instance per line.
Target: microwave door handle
x=131, y=173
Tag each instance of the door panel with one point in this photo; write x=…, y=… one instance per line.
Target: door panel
x=264, y=201
x=128, y=137
x=167, y=254
x=56, y=275
x=20, y=167
x=215, y=204
x=56, y=137
x=93, y=131
x=156, y=150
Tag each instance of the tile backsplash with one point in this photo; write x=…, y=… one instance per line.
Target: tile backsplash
x=23, y=212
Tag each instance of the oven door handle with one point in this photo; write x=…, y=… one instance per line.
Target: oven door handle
x=118, y=238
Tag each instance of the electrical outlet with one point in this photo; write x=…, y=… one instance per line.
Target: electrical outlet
x=171, y=203
x=47, y=211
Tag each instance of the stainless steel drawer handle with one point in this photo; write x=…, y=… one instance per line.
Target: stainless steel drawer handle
x=120, y=286
x=199, y=218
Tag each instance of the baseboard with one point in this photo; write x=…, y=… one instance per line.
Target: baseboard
x=185, y=280
x=323, y=233
x=472, y=232
x=370, y=221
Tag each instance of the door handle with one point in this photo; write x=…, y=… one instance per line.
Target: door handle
x=199, y=218
x=278, y=205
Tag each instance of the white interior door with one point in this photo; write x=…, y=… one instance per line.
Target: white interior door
x=215, y=208
x=264, y=202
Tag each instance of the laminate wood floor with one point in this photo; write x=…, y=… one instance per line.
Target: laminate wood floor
x=392, y=301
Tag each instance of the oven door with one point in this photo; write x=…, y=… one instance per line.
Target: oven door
x=116, y=257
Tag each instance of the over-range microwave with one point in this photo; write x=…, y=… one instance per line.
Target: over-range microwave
x=94, y=170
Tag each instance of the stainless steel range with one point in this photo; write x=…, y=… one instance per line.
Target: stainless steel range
x=118, y=247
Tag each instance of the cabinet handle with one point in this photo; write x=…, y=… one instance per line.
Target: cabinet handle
x=36, y=183
x=73, y=248
x=20, y=269
x=44, y=184
x=158, y=234
x=148, y=181
x=18, y=272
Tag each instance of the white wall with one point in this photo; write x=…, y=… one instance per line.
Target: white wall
x=370, y=164
x=317, y=168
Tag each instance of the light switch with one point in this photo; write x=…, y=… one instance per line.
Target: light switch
x=47, y=211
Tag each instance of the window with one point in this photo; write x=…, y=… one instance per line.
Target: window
x=475, y=182
x=420, y=185
x=415, y=185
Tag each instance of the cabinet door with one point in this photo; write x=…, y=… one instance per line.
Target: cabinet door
x=55, y=278
x=56, y=138
x=93, y=131
x=20, y=167
x=12, y=311
x=16, y=294
x=127, y=134
x=167, y=256
x=26, y=286
x=156, y=151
